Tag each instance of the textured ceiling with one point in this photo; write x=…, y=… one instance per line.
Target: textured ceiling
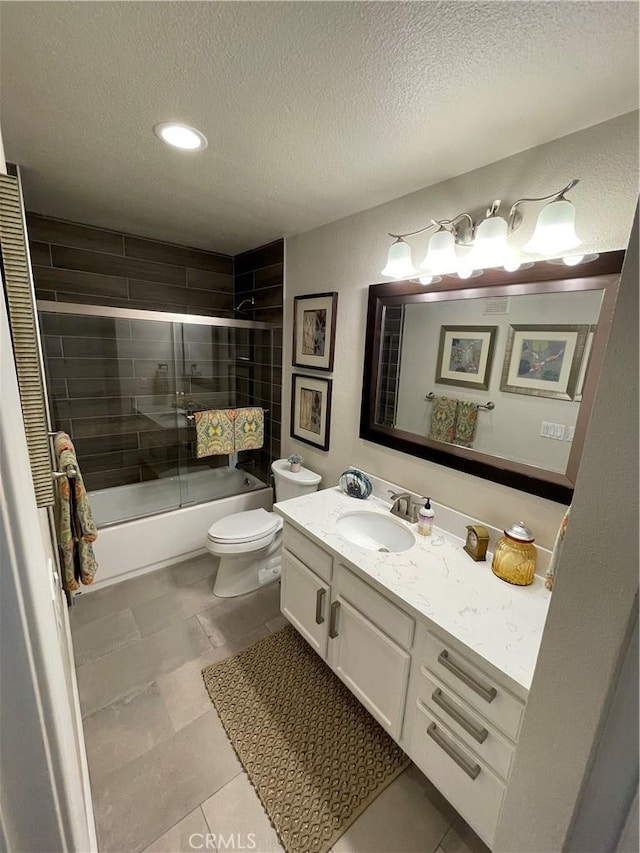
x=312, y=110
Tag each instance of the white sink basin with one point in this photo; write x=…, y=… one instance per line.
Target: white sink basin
x=375, y=532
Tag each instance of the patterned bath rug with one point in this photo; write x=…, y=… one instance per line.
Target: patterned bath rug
x=315, y=756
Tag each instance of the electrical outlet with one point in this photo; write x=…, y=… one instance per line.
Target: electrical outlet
x=560, y=431
x=570, y=433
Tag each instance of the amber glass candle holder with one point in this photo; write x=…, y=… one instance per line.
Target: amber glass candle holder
x=514, y=559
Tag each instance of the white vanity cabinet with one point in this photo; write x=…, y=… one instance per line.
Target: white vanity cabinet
x=304, y=600
x=455, y=715
x=366, y=638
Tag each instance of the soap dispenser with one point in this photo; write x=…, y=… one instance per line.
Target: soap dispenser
x=426, y=514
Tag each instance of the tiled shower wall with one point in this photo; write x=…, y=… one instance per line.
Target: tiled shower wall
x=259, y=277
x=76, y=263
x=103, y=372
x=112, y=386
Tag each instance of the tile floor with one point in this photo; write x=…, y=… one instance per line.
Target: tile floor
x=162, y=769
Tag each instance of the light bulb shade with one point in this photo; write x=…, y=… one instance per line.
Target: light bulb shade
x=555, y=230
x=399, y=264
x=490, y=244
x=512, y=262
x=441, y=254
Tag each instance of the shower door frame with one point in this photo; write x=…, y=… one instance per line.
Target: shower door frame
x=77, y=309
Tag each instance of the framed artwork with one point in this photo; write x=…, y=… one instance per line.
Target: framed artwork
x=465, y=356
x=544, y=361
x=314, y=330
x=311, y=409
x=584, y=364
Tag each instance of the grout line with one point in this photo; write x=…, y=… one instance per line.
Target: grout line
x=439, y=844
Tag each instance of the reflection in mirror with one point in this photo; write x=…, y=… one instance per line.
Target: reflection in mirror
x=495, y=378
x=528, y=358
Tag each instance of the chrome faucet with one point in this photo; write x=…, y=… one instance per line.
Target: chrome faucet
x=405, y=506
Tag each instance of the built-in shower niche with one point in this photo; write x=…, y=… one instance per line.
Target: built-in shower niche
x=124, y=383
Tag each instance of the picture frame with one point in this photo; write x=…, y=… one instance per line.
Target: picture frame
x=544, y=360
x=584, y=364
x=465, y=356
x=314, y=331
x=311, y=409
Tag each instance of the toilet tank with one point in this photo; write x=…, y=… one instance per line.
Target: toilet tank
x=293, y=485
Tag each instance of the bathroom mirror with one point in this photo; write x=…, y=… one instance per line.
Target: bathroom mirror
x=494, y=377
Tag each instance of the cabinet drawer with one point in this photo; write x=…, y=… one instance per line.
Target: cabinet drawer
x=478, y=690
x=467, y=783
x=393, y=621
x=468, y=726
x=308, y=552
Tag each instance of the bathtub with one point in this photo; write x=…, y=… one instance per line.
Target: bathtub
x=155, y=537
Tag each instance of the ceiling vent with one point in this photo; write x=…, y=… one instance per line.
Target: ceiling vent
x=497, y=305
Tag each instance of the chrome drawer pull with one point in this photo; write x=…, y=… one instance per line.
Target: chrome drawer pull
x=320, y=606
x=487, y=693
x=472, y=770
x=478, y=734
x=333, y=620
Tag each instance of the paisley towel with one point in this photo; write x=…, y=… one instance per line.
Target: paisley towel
x=76, y=529
x=214, y=432
x=249, y=428
x=466, y=421
x=552, y=571
x=443, y=419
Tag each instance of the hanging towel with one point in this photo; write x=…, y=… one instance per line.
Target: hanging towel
x=443, y=419
x=249, y=428
x=214, y=432
x=76, y=528
x=552, y=571
x=466, y=422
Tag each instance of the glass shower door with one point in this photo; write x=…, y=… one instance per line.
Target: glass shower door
x=112, y=386
x=205, y=379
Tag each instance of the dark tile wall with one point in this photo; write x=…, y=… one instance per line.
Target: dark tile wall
x=112, y=387
x=107, y=378
x=78, y=263
x=259, y=276
x=390, y=366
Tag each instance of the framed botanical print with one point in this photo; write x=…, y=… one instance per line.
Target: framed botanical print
x=465, y=356
x=314, y=330
x=584, y=364
x=311, y=409
x=544, y=360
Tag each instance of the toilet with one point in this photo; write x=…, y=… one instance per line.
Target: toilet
x=249, y=544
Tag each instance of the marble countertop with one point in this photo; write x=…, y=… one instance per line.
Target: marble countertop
x=435, y=578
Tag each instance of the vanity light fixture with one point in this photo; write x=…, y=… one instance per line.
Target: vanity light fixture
x=180, y=136
x=399, y=263
x=555, y=230
x=488, y=240
x=429, y=279
x=574, y=260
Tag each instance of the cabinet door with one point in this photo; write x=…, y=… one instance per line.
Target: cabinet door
x=304, y=600
x=373, y=667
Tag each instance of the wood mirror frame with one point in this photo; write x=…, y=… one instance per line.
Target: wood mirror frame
x=601, y=274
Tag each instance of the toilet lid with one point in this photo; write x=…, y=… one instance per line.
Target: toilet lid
x=244, y=526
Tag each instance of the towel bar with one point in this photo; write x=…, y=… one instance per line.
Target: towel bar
x=70, y=474
x=488, y=406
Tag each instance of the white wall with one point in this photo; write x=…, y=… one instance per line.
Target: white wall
x=347, y=256
x=591, y=616
x=512, y=430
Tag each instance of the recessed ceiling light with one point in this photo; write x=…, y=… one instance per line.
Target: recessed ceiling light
x=180, y=136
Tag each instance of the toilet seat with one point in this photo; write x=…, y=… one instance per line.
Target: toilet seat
x=253, y=526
